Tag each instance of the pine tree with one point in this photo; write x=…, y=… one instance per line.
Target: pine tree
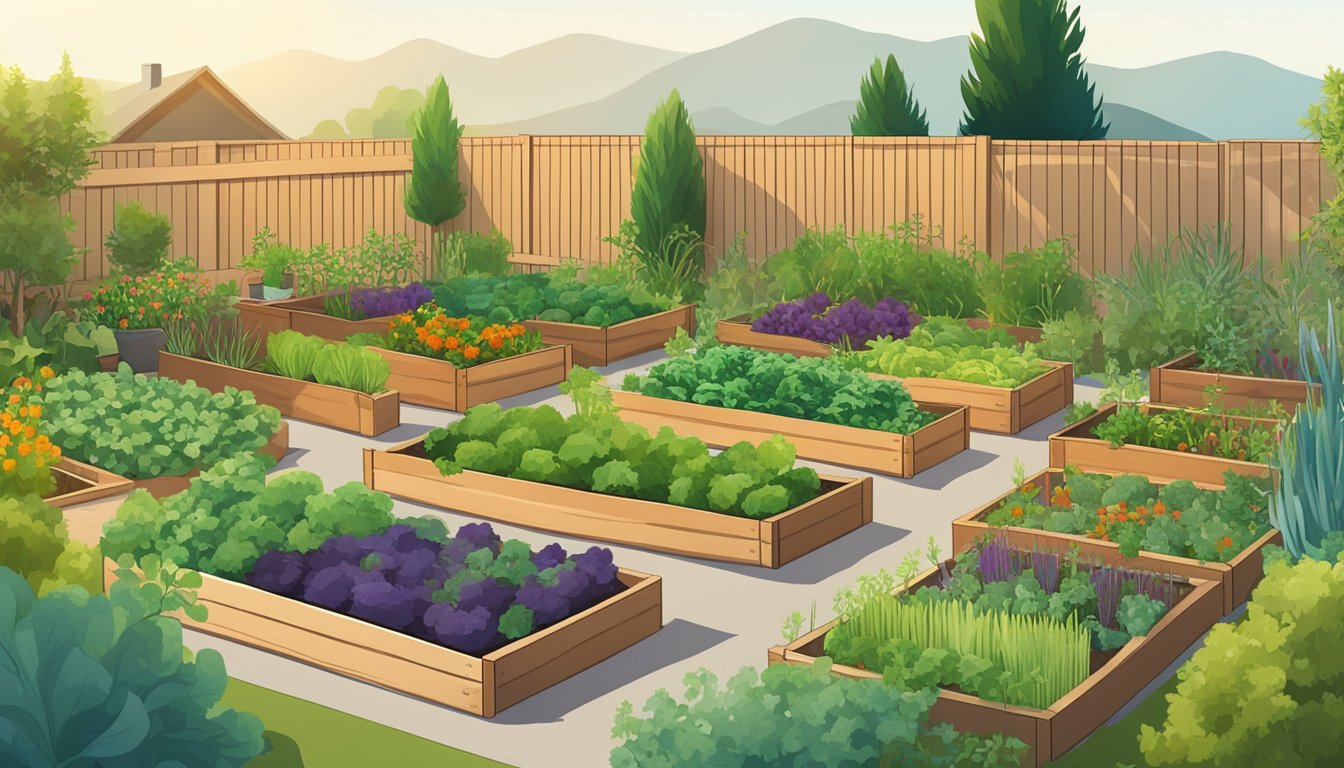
x=669, y=186
x=433, y=192
x=887, y=105
x=1027, y=79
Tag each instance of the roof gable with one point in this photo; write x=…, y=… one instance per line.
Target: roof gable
x=217, y=110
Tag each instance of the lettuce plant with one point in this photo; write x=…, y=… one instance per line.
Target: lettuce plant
x=945, y=348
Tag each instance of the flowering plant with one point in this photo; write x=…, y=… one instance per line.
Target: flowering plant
x=173, y=292
x=26, y=454
x=462, y=341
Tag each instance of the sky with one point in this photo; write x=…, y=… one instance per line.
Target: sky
x=109, y=40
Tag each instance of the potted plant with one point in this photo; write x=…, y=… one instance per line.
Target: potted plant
x=275, y=260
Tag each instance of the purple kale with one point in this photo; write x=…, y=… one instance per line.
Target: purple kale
x=416, y=567
x=384, y=302
x=383, y=604
x=279, y=572
x=467, y=631
x=549, y=556
x=331, y=587
x=485, y=593
x=480, y=536
x=547, y=604
x=338, y=550
x=597, y=563
x=853, y=323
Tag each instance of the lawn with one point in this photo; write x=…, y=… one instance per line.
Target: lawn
x=1118, y=744
x=307, y=735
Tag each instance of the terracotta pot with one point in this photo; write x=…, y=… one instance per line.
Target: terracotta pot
x=109, y=362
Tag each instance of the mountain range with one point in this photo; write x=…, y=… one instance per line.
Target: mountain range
x=796, y=77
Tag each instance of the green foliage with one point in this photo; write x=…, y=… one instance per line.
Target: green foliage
x=887, y=105
x=1208, y=432
x=944, y=348
x=139, y=241
x=58, y=342
x=34, y=543
x=588, y=391
x=1177, y=519
x=1035, y=286
x=226, y=342
x=737, y=286
x=1027, y=79
x=351, y=367
x=796, y=717
x=93, y=680
x=142, y=427
x=471, y=253
x=433, y=192
x=669, y=190
x=765, y=382
x=273, y=258
x=34, y=247
x=377, y=261
x=1264, y=690
x=673, y=268
x=293, y=354
x=229, y=516
x=588, y=451
x=558, y=298
x=1325, y=120
x=1308, y=503
x=388, y=118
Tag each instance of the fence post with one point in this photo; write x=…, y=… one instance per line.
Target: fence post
x=207, y=209
x=984, y=171
x=525, y=194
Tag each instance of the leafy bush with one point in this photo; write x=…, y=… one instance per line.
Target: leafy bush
x=556, y=298
x=943, y=348
x=57, y=342
x=765, y=382
x=139, y=241
x=462, y=341
x=471, y=253
x=669, y=190
x=1325, y=120
x=850, y=325
x=34, y=542
x=229, y=516
x=1264, y=690
x=177, y=290
x=604, y=454
x=93, y=680
x=1206, y=432
x=142, y=427
x=273, y=258
x=1176, y=519
x=797, y=717
x=377, y=261
x=672, y=269
x=1035, y=286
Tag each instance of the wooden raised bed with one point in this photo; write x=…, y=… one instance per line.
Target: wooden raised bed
x=886, y=452
x=738, y=331
x=87, y=497
x=999, y=409
x=168, y=485
x=437, y=383
x=305, y=400
x=1180, y=382
x=597, y=345
x=304, y=314
x=1076, y=446
x=844, y=506
x=1237, y=577
x=1052, y=732
x=483, y=685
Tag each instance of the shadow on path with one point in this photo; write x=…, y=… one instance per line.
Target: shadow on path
x=819, y=564
x=939, y=476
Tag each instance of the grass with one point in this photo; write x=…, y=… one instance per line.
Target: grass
x=307, y=735
x=1119, y=744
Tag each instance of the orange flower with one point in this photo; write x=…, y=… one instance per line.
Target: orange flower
x=1017, y=511
x=122, y=323
x=464, y=324
x=1159, y=508
x=496, y=342
x=25, y=449
x=55, y=451
x=1182, y=447
x=434, y=342
x=471, y=353
x=1176, y=514
x=13, y=399
x=10, y=464
x=452, y=342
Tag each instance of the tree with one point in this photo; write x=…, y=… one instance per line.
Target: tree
x=389, y=117
x=35, y=247
x=1325, y=120
x=434, y=193
x=1027, y=79
x=669, y=189
x=887, y=105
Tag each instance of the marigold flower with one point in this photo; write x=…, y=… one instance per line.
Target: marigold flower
x=452, y=342
x=123, y=322
x=471, y=353
x=13, y=399
x=55, y=451
x=25, y=449
x=1159, y=508
x=496, y=342
x=10, y=464
x=434, y=342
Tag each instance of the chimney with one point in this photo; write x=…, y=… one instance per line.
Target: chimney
x=151, y=76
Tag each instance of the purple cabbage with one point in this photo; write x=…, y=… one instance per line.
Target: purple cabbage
x=853, y=323
x=383, y=302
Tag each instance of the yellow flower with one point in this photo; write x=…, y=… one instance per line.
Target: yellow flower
x=10, y=464
x=47, y=372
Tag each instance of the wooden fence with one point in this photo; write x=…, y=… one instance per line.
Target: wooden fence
x=558, y=196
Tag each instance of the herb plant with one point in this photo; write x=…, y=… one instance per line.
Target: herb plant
x=471, y=253
x=1035, y=286
x=1175, y=519
x=385, y=302
x=604, y=454
x=766, y=382
x=275, y=259
x=1209, y=431
x=142, y=427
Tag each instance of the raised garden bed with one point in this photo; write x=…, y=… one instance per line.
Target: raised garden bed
x=887, y=452
x=87, y=497
x=305, y=400
x=482, y=686
x=159, y=487
x=844, y=505
x=603, y=345
x=1001, y=410
x=1180, y=382
x=1115, y=678
x=1237, y=577
x=1077, y=446
x=305, y=314
x=440, y=384
x=738, y=331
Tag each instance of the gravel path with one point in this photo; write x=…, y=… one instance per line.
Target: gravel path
x=715, y=615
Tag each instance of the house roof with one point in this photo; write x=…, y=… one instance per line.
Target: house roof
x=134, y=110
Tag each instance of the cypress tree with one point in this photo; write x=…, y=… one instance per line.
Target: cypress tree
x=887, y=105
x=669, y=186
x=1027, y=79
x=433, y=192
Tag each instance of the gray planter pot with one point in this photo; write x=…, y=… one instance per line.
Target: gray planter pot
x=140, y=348
x=267, y=293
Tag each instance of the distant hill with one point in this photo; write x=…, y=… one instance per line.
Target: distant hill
x=1130, y=123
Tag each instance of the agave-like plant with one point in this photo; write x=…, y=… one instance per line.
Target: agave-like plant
x=1307, y=503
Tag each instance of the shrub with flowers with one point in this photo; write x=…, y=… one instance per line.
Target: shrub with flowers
x=462, y=341
x=26, y=453
x=176, y=291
